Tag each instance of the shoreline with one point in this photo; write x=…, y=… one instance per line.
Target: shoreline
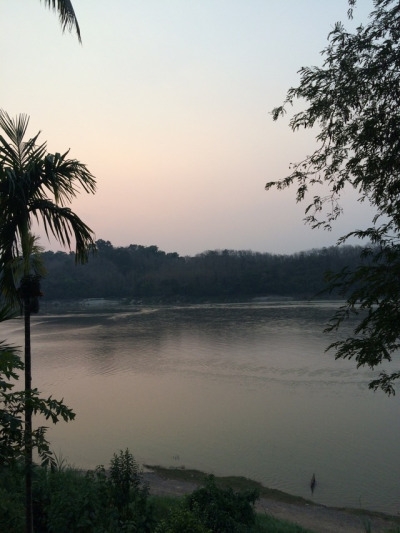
x=175, y=482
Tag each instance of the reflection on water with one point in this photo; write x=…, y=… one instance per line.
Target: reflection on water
x=230, y=389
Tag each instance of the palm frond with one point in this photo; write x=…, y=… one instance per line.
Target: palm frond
x=24, y=258
x=15, y=153
x=9, y=236
x=66, y=15
x=31, y=257
x=63, y=224
x=63, y=177
x=16, y=128
x=6, y=312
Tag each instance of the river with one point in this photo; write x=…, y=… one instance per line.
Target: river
x=238, y=389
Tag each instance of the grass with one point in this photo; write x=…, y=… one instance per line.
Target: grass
x=162, y=505
x=238, y=483
x=269, y=524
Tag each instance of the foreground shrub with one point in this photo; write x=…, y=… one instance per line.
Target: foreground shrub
x=67, y=501
x=117, y=501
x=181, y=520
x=223, y=510
x=129, y=494
x=12, y=509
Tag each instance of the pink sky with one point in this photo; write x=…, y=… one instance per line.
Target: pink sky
x=168, y=103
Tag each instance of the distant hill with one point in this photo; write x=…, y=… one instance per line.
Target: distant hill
x=146, y=273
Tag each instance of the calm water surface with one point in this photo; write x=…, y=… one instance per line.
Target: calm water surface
x=242, y=389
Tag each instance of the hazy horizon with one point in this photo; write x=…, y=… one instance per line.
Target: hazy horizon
x=56, y=248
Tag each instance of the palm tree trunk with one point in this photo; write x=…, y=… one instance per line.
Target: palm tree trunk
x=28, y=417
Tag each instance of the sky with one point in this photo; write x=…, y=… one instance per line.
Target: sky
x=168, y=104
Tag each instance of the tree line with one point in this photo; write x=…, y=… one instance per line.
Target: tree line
x=146, y=272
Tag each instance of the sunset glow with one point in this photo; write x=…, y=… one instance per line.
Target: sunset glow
x=168, y=104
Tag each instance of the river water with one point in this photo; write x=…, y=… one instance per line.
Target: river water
x=238, y=389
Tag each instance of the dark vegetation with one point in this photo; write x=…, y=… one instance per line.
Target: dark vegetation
x=353, y=102
x=238, y=483
x=145, y=272
x=117, y=500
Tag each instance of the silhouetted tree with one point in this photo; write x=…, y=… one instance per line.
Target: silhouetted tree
x=354, y=100
x=34, y=185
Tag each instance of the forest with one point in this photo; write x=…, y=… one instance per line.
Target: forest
x=146, y=273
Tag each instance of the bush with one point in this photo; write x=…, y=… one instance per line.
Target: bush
x=223, y=510
x=181, y=520
x=67, y=500
x=129, y=494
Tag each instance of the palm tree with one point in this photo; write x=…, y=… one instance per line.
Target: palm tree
x=35, y=186
x=66, y=15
